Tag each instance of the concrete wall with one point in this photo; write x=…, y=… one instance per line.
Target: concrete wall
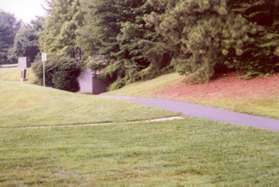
x=100, y=86
x=86, y=81
x=91, y=84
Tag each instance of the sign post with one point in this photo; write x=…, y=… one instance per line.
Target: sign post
x=44, y=59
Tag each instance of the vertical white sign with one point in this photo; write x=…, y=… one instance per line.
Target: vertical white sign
x=44, y=59
x=22, y=63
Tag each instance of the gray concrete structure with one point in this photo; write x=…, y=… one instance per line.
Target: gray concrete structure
x=91, y=83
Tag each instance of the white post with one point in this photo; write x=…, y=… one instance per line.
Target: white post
x=44, y=74
x=44, y=59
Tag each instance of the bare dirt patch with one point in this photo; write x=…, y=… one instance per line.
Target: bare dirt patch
x=229, y=86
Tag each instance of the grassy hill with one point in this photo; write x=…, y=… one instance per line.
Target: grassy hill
x=13, y=74
x=30, y=105
x=148, y=88
x=37, y=151
x=259, y=96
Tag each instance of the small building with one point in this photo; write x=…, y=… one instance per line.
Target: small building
x=91, y=83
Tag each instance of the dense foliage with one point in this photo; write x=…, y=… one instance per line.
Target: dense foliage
x=26, y=41
x=262, y=55
x=61, y=73
x=18, y=39
x=60, y=28
x=8, y=29
x=59, y=40
x=141, y=39
x=117, y=29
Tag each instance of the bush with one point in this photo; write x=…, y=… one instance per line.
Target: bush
x=61, y=73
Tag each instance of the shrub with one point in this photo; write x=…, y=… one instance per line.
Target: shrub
x=61, y=73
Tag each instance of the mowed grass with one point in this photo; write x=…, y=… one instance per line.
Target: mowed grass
x=146, y=88
x=13, y=74
x=122, y=153
x=260, y=105
x=30, y=105
x=173, y=153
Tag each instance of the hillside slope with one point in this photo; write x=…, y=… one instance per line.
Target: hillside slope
x=13, y=74
x=174, y=153
x=30, y=105
x=258, y=96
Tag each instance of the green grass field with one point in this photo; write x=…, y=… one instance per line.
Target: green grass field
x=264, y=106
x=176, y=153
x=146, y=88
x=13, y=74
x=151, y=154
x=30, y=105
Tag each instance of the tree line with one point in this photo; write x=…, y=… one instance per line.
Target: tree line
x=142, y=39
x=18, y=38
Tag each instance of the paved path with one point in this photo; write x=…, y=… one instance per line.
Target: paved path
x=210, y=113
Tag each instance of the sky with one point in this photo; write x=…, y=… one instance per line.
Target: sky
x=24, y=10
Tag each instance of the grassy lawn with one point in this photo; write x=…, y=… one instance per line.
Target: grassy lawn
x=30, y=105
x=175, y=153
x=146, y=88
x=13, y=74
x=157, y=154
x=263, y=104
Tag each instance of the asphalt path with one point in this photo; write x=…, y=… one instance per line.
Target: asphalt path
x=205, y=112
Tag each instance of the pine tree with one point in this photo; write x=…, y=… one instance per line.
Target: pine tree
x=60, y=29
x=262, y=55
x=205, y=34
x=120, y=31
x=139, y=39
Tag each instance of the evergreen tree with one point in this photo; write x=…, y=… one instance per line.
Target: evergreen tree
x=60, y=29
x=119, y=30
x=261, y=56
x=140, y=39
x=204, y=35
x=8, y=29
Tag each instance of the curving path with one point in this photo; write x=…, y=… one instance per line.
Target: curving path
x=205, y=112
